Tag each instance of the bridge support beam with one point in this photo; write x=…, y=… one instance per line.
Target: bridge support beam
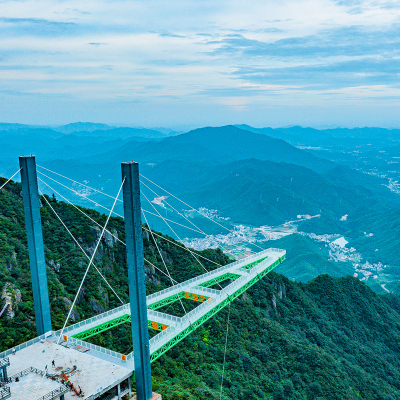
x=136, y=275
x=34, y=232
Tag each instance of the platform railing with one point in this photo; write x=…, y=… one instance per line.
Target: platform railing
x=190, y=283
x=124, y=308
x=202, y=289
x=23, y=345
x=25, y=372
x=94, y=347
x=4, y=362
x=156, y=315
x=5, y=392
x=55, y=393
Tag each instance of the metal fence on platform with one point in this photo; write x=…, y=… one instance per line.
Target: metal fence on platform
x=5, y=393
x=23, y=345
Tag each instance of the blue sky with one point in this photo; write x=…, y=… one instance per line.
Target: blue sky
x=186, y=63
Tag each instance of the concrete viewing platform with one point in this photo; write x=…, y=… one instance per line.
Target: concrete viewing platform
x=96, y=377
x=32, y=386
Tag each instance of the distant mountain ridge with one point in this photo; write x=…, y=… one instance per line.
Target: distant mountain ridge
x=250, y=177
x=335, y=137
x=263, y=192
x=66, y=142
x=83, y=127
x=219, y=145
x=233, y=144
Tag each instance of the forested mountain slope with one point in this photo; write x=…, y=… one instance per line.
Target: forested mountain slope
x=307, y=259
x=332, y=338
x=264, y=192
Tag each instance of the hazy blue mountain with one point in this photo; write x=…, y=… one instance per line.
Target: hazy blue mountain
x=49, y=144
x=154, y=152
x=82, y=127
x=233, y=143
x=205, y=147
x=209, y=146
x=125, y=133
x=248, y=191
x=337, y=137
x=102, y=130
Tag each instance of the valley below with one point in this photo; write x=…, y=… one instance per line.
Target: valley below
x=243, y=240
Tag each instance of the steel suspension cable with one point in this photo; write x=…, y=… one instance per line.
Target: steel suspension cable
x=198, y=230
x=158, y=215
x=9, y=179
x=169, y=220
x=83, y=280
x=106, y=194
x=79, y=245
x=115, y=237
x=194, y=256
x=185, y=248
x=182, y=215
x=79, y=183
x=78, y=194
x=182, y=247
x=162, y=258
x=91, y=260
x=95, y=222
x=81, y=211
x=186, y=204
x=107, y=209
x=192, y=208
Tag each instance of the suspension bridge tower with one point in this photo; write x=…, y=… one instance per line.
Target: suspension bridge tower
x=136, y=275
x=33, y=222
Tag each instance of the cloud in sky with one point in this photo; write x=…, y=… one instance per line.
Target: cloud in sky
x=194, y=63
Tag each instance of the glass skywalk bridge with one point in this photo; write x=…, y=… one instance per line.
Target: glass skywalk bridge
x=243, y=273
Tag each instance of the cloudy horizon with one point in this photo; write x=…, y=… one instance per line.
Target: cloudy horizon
x=186, y=63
